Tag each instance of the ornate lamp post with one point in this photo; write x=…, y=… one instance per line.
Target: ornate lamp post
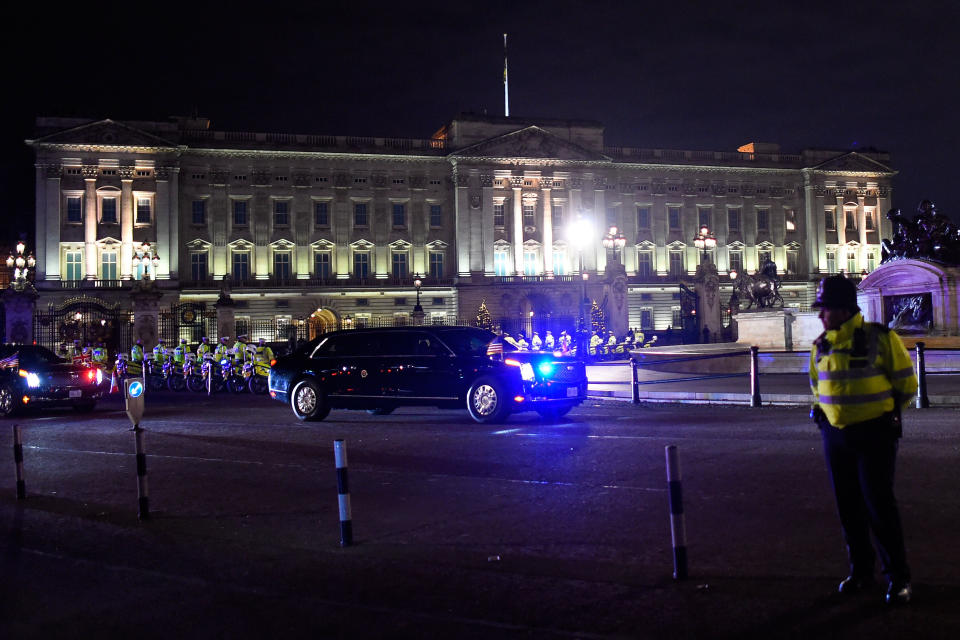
x=705, y=241
x=614, y=241
x=579, y=234
x=417, y=309
x=146, y=256
x=21, y=266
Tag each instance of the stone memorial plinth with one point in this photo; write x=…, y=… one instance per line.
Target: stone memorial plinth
x=912, y=296
x=786, y=329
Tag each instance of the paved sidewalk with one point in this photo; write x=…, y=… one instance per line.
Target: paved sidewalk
x=613, y=380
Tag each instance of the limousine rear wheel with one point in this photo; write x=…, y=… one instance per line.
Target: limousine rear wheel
x=487, y=400
x=308, y=402
x=7, y=403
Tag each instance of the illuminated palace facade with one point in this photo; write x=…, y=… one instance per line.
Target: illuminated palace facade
x=328, y=228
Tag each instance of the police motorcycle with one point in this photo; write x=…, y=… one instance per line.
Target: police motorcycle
x=174, y=377
x=210, y=374
x=154, y=374
x=255, y=371
x=192, y=376
x=232, y=374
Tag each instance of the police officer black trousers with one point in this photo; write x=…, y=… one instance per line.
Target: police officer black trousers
x=861, y=459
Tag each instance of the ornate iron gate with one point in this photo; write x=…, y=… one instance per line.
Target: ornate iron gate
x=189, y=320
x=87, y=320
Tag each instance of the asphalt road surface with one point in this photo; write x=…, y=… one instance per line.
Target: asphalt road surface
x=519, y=530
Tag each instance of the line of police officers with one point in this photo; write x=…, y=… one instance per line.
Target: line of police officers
x=240, y=351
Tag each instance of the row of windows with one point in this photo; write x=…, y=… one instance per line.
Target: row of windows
x=321, y=214
x=73, y=262
x=849, y=218
x=322, y=265
x=142, y=211
x=705, y=218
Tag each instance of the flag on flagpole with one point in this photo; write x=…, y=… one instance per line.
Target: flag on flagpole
x=11, y=362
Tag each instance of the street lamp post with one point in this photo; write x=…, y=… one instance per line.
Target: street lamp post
x=146, y=256
x=417, y=309
x=21, y=266
x=579, y=234
x=614, y=241
x=705, y=241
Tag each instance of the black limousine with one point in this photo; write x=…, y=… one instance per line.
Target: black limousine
x=34, y=376
x=448, y=367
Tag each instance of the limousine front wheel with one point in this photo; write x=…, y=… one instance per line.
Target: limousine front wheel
x=308, y=402
x=487, y=400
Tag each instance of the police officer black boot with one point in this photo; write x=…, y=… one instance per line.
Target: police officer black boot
x=899, y=593
x=854, y=584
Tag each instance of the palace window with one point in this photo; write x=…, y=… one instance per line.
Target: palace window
x=361, y=264
x=399, y=215
x=645, y=264
x=199, y=212
x=501, y=263
x=528, y=215
x=868, y=221
x=74, y=262
x=703, y=217
x=736, y=261
x=241, y=265
x=108, y=210
x=360, y=214
x=676, y=318
x=436, y=215
x=673, y=216
x=643, y=217
x=144, y=205
x=74, y=209
x=871, y=261
x=108, y=265
x=281, y=213
x=793, y=261
x=436, y=265
x=851, y=219
x=498, y=215
x=646, y=318
x=198, y=265
x=321, y=214
x=733, y=220
x=556, y=215
x=676, y=264
x=240, y=213
x=399, y=264
x=611, y=216
x=763, y=219
x=829, y=220
x=763, y=257
x=560, y=263
x=281, y=265
x=851, y=261
x=530, y=263
x=321, y=265
x=831, y=261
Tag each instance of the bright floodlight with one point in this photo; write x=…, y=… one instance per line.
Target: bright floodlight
x=580, y=232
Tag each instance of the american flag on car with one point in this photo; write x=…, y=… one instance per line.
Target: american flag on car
x=495, y=348
x=11, y=362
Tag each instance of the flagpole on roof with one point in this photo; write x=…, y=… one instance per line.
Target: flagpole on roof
x=506, y=81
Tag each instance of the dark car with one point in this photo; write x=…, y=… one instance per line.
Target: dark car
x=34, y=376
x=447, y=367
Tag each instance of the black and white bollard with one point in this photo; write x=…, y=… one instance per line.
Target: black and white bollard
x=143, y=495
x=678, y=529
x=343, y=493
x=923, y=401
x=755, y=377
x=636, y=382
x=18, y=459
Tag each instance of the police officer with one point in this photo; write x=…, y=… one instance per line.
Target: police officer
x=136, y=352
x=222, y=350
x=595, y=341
x=160, y=352
x=203, y=348
x=548, y=341
x=264, y=352
x=513, y=343
x=522, y=342
x=536, y=343
x=239, y=351
x=99, y=355
x=180, y=352
x=861, y=375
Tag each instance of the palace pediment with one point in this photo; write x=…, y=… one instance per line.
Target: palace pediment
x=853, y=162
x=530, y=142
x=105, y=133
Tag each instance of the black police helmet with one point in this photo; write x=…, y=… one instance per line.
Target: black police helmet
x=836, y=292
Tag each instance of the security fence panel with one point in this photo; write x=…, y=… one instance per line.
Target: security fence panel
x=190, y=321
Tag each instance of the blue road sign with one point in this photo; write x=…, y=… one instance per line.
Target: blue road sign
x=136, y=388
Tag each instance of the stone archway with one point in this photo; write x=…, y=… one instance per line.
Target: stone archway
x=321, y=321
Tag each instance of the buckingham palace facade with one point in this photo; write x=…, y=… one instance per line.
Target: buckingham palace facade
x=329, y=228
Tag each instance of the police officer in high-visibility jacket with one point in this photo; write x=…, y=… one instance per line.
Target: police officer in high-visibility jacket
x=264, y=352
x=136, y=352
x=861, y=375
x=180, y=352
x=203, y=348
x=223, y=350
x=100, y=355
x=160, y=352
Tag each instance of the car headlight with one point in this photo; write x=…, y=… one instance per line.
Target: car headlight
x=33, y=380
x=546, y=368
x=526, y=372
x=99, y=376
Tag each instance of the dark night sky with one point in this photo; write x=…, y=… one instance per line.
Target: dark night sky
x=669, y=74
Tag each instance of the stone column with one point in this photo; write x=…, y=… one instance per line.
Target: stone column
x=546, y=187
x=90, y=222
x=48, y=235
x=815, y=238
x=302, y=213
x=841, y=216
x=595, y=256
x=708, y=294
x=462, y=181
x=173, y=198
x=164, y=223
x=517, y=182
x=261, y=221
x=19, y=307
x=487, y=235
x=226, y=317
x=146, y=312
x=862, y=222
x=126, y=224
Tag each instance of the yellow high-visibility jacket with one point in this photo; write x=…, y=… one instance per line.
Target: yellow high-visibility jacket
x=860, y=372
